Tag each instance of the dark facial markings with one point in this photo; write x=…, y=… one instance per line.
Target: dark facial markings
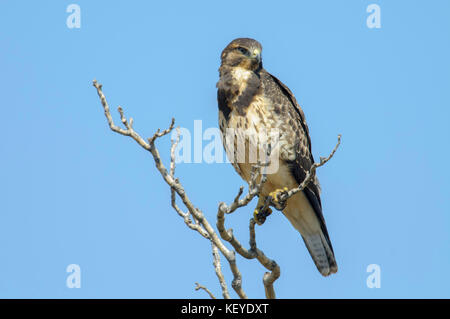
x=244, y=51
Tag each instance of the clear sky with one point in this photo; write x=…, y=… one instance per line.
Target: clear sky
x=73, y=192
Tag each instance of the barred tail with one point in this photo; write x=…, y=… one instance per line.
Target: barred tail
x=302, y=216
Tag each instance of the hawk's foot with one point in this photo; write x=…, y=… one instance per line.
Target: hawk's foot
x=260, y=214
x=276, y=200
x=261, y=211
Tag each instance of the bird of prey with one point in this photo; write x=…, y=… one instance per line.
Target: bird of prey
x=252, y=99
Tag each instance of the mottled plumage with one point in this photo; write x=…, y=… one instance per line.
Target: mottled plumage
x=252, y=100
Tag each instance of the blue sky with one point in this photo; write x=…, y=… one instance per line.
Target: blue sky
x=73, y=192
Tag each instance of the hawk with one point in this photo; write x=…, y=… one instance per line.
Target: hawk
x=250, y=99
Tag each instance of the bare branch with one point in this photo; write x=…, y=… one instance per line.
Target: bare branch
x=186, y=216
x=161, y=134
x=172, y=152
x=271, y=265
x=129, y=128
x=198, y=287
x=228, y=236
x=253, y=252
x=176, y=186
x=218, y=270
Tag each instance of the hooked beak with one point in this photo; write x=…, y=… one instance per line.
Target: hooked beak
x=256, y=54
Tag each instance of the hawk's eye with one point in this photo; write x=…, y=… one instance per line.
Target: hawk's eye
x=244, y=51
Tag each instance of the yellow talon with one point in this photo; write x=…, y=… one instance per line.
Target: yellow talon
x=276, y=192
x=260, y=215
x=256, y=217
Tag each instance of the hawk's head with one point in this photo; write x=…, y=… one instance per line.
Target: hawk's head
x=244, y=53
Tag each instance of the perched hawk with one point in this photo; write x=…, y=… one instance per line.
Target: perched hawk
x=250, y=99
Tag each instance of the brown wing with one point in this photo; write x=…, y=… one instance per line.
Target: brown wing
x=303, y=158
x=297, y=108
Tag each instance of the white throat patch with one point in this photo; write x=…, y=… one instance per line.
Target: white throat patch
x=240, y=74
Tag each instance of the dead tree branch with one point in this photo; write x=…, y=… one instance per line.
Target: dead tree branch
x=218, y=270
x=201, y=225
x=194, y=217
x=198, y=287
